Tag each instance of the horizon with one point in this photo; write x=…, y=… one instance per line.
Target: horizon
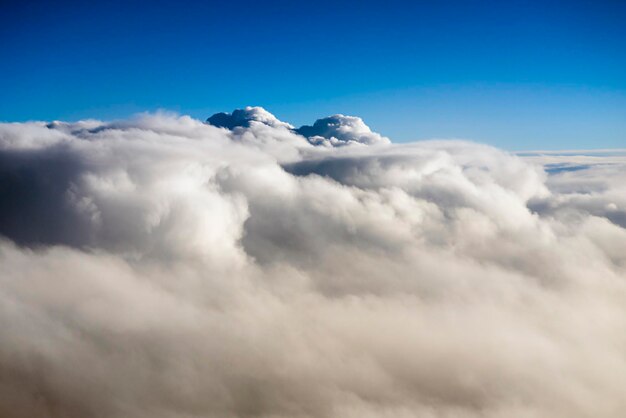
x=516, y=75
x=205, y=120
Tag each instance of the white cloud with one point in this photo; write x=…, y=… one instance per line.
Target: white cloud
x=340, y=130
x=585, y=183
x=331, y=131
x=160, y=267
x=243, y=118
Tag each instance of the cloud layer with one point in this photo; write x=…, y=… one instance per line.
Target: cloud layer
x=165, y=267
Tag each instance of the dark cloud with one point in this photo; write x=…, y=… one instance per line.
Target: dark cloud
x=35, y=197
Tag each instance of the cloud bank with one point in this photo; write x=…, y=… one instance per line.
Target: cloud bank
x=165, y=267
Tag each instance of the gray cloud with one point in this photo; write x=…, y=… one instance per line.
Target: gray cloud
x=161, y=266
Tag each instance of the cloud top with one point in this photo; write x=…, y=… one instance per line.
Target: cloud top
x=331, y=131
x=241, y=118
x=339, y=130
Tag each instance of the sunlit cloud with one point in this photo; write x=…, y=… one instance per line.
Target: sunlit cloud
x=163, y=266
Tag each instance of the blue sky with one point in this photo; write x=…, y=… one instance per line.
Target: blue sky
x=517, y=74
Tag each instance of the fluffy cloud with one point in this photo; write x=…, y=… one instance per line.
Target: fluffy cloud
x=339, y=130
x=161, y=266
x=591, y=182
x=245, y=117
x=332, y=131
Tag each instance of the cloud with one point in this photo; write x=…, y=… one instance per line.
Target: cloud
x=331, y=131
x=160, y=266
x=339, y=130
x=586, y=183
x=242, y=118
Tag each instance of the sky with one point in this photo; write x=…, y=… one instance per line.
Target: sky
x=282, y=260
x=520, y=75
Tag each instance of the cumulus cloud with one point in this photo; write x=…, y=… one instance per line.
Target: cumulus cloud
x=340, y=130
x=165, y=267
x=245, y=117
x=331, y=131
